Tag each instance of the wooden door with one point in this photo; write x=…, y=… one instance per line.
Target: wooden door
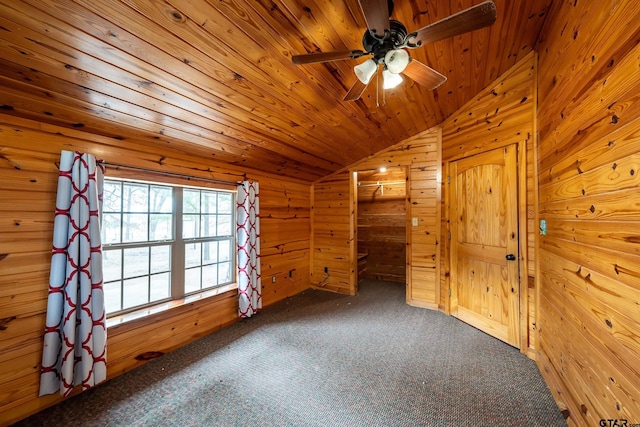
x=484, y=243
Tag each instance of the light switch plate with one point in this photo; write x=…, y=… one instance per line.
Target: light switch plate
x=414, y=222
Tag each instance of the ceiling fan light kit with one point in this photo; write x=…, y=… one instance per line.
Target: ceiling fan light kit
x=366, y=70
x=396, y=60
x=387, y=40
x=390, y=80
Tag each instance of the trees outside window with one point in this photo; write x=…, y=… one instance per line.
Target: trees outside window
x=163, y=242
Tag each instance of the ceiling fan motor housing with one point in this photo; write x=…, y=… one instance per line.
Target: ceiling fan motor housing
x=394, y=39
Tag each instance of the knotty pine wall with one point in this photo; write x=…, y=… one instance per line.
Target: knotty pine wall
x=29, y=152
x=589, y=162
x=382, y=223
x=502, y=114
x=420, y=156
x=334, y=235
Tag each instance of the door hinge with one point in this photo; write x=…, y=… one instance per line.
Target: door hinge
x=449, y=235
x=449, y=291
x=448, y=179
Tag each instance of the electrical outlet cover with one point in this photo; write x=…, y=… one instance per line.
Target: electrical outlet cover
x=543, y=227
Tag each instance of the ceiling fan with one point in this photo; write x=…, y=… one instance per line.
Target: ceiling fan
x=387, y=40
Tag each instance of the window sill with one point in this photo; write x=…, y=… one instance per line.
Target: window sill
x=165, y=306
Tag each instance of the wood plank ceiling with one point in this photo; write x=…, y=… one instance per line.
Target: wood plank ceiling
x=214, y=77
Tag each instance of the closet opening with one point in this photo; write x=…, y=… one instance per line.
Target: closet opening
x=382, y=224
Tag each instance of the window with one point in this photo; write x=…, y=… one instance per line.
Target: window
x=207, y=223
x=163, y=242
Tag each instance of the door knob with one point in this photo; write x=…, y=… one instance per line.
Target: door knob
x=510, y=257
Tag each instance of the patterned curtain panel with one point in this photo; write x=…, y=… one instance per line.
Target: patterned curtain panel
x=75, y=335
x=248, y=239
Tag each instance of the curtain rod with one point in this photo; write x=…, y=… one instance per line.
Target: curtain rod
x=172, y=174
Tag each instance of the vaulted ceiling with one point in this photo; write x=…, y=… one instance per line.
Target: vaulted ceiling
x=215, y=77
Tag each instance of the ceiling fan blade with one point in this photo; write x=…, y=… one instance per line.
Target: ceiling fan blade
x=376, y=13
x=473, y=18
x=424, y=75
x=356, y=91
x=312, y=58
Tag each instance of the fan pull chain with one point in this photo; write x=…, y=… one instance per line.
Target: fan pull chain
x=384, y=98
x=378, y=87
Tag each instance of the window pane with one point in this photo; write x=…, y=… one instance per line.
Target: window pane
x=112, y=296
x=134, y=228
x=160, y=259
x=136, y=292
x=192, y=254
x=224, y=250
x=190, y=226
x=111, y=227
x=136, y=213
x=159, y=286
x=135, y=197
x=224, y=272
x=209, y=201
x=160, y=226
x=161, y=199
x=209, y=276
x=112, y=265
x=209, y=252
x=136, y=262
x=208, y=226
x=190, y=201
x=224, y=225
x=111, y=198
x=225, y=205
x=192, y=280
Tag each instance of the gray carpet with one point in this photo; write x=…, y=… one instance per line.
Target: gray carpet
x=322, y=359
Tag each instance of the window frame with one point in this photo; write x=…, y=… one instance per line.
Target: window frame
x=177, y=246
